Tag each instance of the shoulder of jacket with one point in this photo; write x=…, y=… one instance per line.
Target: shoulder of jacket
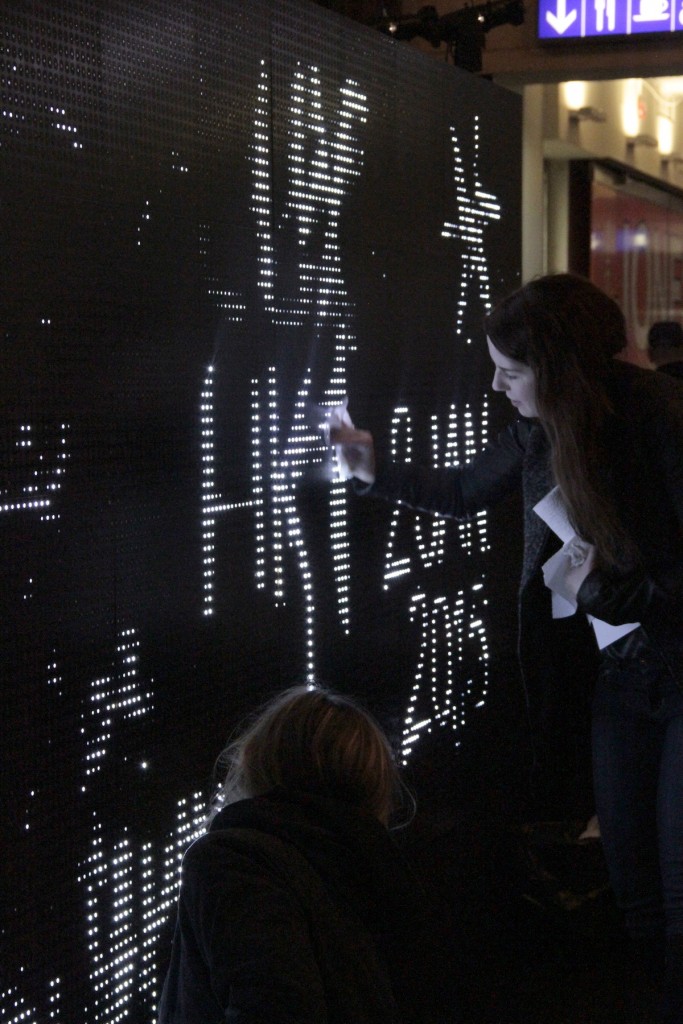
x=220, y=848
x=646, y=396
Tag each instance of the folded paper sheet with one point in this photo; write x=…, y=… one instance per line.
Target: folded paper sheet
x=338, y=416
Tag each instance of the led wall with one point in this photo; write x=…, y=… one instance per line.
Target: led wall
x=217, y=219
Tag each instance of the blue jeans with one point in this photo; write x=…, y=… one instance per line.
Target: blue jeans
x=638, y=777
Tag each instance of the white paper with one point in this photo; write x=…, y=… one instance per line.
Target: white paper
x=563, y=607
x=606, y=634
x=552, y=511
x=338, y=416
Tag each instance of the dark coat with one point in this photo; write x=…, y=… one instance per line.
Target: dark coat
x=673, y=369
x=297, y=909
x=644, y=472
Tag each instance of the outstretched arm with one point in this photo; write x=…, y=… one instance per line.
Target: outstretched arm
x=456, y=492
x=357, y=450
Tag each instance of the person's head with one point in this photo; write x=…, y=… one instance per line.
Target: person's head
x=565, y=330
x=665, y=342
x=553, y=343
x=310, y=740
x=515, y=379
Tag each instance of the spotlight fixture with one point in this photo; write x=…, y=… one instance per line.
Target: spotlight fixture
x=424, y=23
x=464, y=31
x=588, y=114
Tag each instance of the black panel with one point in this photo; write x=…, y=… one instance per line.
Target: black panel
x=216, y=219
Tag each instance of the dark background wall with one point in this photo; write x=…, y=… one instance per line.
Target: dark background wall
x=217, y=219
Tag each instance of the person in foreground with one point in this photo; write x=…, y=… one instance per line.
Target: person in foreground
x=296, y=907
x=606, y=438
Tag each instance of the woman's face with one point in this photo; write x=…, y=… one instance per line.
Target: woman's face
x=516, y=380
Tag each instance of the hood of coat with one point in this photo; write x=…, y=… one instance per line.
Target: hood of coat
x=361, y=865
x=351, y=850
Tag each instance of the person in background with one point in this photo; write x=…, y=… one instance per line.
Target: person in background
x=296, y=906
x=601, y=441
x=665, y=347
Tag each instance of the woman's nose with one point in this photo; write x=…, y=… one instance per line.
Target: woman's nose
x=498, y=383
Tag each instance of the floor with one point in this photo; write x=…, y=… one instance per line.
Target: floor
x=540, y=937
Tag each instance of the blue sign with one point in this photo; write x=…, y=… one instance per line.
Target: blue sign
x=603, y=19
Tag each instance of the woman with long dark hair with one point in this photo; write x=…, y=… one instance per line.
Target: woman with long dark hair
x=602, y=442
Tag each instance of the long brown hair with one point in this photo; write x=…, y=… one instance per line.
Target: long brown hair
x=568, y=332
x=311, y=740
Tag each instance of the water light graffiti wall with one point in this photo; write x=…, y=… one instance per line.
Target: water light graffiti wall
x=217, y=220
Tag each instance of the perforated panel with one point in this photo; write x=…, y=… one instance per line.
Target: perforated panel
x=217, y=220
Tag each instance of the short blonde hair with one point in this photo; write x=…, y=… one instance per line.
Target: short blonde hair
x=309, y=739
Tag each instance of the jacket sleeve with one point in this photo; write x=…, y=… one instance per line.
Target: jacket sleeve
x=253, y=937
x=652, y=594
x=458, y=492
x=633, y=597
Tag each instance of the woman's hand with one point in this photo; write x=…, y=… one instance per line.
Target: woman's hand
x=355, y=449
x=579, y=569
x=566, y=570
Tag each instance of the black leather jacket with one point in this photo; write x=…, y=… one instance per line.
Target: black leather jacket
x=644, y=470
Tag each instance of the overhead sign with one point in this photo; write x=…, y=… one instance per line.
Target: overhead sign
x=604, y=19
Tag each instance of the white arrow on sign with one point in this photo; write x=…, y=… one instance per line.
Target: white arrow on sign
x=561, y=20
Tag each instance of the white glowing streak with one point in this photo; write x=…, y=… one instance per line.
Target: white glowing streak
x=441, y=694
x=114, y=696
x=129, y=886
x=475, y=209
x=130, y=889
x=279, y=458
x=323, y=155
x=287, y=460
x=213, y=503
x=464, y=438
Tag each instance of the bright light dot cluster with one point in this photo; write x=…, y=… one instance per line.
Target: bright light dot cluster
x=475, y=208
x=450, y=627
x=323, y=156
x=177, y=163
x=115, y=696
x=55, y=677
x=229, y=301
x=145, y=218
x=130, y=889
x=14, y=1009
x=129, y=885
x=440, y=694
x=212, y=503
x=43, y=459
x=58, y=114
x=467, y=434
